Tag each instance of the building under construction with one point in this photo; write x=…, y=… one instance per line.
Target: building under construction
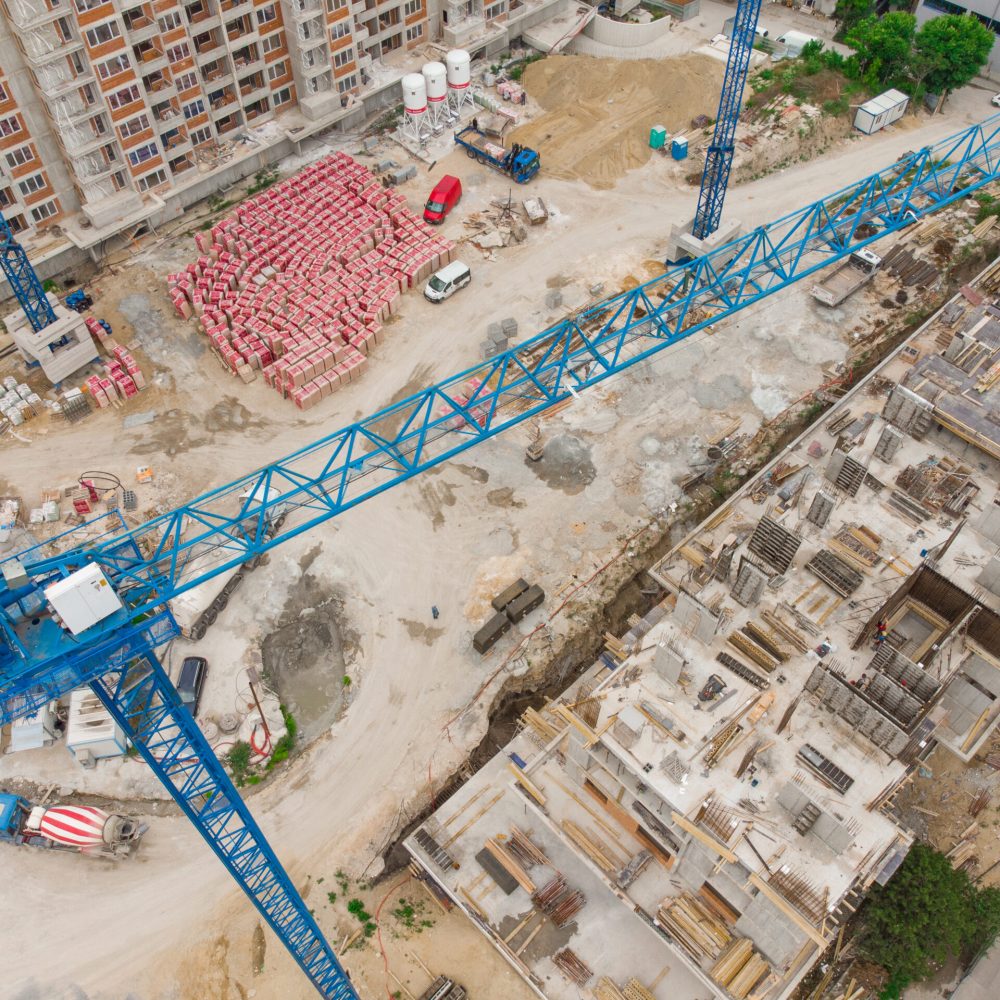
x=700, y=813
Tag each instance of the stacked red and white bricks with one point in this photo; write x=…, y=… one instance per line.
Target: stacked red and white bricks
x=299, y=280
x=121, y=380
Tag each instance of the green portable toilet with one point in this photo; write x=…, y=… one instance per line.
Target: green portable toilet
x=657, y=137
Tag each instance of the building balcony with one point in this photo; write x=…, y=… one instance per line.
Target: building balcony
x=170, y=118
x=218, y=76
x=158, y=84
x=43, y=46
x=204, y=21
x=229, y=125
x=141, y=29
x=181, y=164
x=303, y=10
x=248, y=61
x=253, y=90
x=149, y=59
x=258, y=110
x=235, y=8
x=175, y=144
x=224, y=105
x=77, y=141
x=93, y=168
x=33, y=13
x=208, y=52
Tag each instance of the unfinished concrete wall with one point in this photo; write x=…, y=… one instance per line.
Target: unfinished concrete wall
x=694, y=618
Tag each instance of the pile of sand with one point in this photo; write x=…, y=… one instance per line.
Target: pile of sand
x=597, y=113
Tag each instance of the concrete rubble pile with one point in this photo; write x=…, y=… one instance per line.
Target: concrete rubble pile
x=298, y=281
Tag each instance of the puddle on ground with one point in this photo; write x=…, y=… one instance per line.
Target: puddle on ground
x=565, y=465
x=306, y=656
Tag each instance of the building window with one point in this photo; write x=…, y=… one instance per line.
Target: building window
x=6, y=198
x=45, y=211
x=155, y=179
x=283, y=96
x=10, y=126
x=340, y=29
x=178, y=53
x=119, y=180
x=187, y=80
x=194, y=109
x=266, y=14
x=122, y=98
x=412, y=7
x=169, y=22
x=271, y=43
x=277, y=70
x=347, y=83
x=201, y=135
x=112, y=67
x=103, y=33
x=412, y=34
x=343, y=58
x=20, y=156
x=84, y=5
x=494, y=10
x=332, y=5
x=142, y=153
x=32, y=184
x=133, y=126
x=4, y=96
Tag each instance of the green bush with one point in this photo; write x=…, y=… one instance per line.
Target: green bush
x=238, y=759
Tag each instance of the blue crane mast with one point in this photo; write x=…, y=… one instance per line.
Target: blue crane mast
x=146, y=566
x=23, y=281
x=719, y=158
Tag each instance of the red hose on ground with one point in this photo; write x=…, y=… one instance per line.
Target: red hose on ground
x=378, y=926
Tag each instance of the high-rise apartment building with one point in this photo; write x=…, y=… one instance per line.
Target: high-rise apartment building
x=108, y=107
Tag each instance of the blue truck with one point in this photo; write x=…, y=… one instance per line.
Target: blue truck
x=520, y=162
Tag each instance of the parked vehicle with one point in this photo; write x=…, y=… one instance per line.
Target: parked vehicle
x=446, y=195
x=190, y=682
x=447, y=281
x=520, y=162
x=846, y=279
x=86, y=829
x=996, y=101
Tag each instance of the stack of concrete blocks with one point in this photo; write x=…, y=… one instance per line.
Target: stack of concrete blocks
x=498, y=338
x=750, y=584
x=821, y=508
x=553, y=299
x=888, y=444
x=298, y=281
x=911, y=413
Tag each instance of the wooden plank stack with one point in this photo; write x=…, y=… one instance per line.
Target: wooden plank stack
x=694, y=926
x=598, y=850
x=513, y=868
x=524, y=850
x=740, y=968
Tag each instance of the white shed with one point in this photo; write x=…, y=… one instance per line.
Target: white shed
x=91, y=733
x=881, y=111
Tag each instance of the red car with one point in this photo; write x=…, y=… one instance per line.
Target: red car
x=445, y=196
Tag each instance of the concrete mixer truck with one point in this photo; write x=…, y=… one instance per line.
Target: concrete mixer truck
x=86, y=829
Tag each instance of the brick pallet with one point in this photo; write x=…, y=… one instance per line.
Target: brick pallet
x=298, y=281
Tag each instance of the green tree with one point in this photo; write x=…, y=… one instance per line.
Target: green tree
x=849, y=12
x=956, y=46
x=926, y=914
x=883, y=46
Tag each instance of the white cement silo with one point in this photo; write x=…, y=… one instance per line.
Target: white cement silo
x=436, y=79
x=459, y=75
x=414, y=106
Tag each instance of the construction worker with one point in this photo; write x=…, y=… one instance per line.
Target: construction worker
x=434, y=612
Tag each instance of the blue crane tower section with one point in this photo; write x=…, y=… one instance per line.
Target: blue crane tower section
x=719, y=158
x=23, y=281
x=148, y=565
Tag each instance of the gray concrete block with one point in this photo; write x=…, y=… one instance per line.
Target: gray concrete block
x=553, y=299
x=509, y=327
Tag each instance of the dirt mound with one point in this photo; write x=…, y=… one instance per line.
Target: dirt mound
x=598, y=112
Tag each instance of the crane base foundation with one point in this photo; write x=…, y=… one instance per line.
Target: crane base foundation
x=61, y=348
x=683, y=245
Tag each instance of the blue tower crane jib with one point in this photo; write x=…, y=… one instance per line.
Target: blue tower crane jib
x=23, y=280
x=156, y=561
x=141, y=699
x=719, y=158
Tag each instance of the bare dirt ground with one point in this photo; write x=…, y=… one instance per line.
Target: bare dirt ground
x=170, y=924
x=597, y=113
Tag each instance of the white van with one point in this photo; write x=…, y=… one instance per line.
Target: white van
x=447, y=281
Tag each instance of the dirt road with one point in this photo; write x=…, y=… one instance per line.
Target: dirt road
x=170, y=924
